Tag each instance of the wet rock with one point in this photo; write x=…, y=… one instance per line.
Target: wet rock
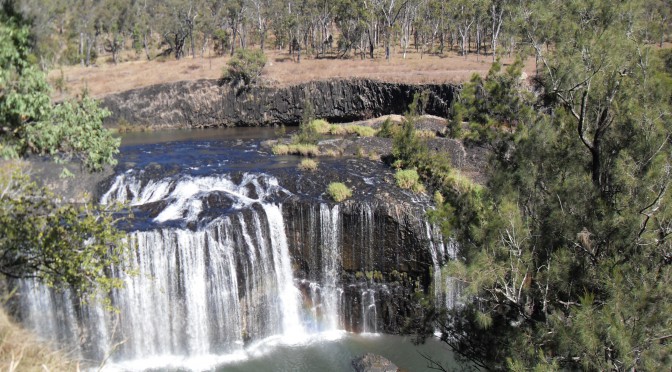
x=373, y=363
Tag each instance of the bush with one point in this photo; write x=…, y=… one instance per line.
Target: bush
x=360, y=130
x=245, y=66
x=338, y=191
x=302, y=149
x=308, y=165
x=320, y=126
x=363, y=131
x=388, y=129
x=410, y=180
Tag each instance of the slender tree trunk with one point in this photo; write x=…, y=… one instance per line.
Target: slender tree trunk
x=234, y=33
x=145, y=45
x=191, y=41
x=206, y=39
x=89, y=45
x=81, y=48
x=262, y=41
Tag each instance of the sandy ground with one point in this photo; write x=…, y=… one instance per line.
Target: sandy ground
x=106, y=78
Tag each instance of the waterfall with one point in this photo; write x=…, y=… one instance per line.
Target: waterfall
x=369, y=311
x=289, y=294
x=213, y=272
x=446, y=289
x=331, y=265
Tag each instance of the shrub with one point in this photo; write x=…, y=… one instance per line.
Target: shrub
x=360, y=130
x=308, y=165
x=320, y=126
x=363, y=131
x=409, y=179
x=302, y=149
x=332, y=153
x=425, y=133
x=245, y=66
x=338, y=191
x=388, y=129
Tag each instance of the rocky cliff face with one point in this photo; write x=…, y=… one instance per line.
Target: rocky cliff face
x=208, y=103
x=383, y=258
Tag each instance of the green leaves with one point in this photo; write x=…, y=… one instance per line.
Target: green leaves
x=74, y=129
x=40, y=236
x=55, y=242
x=245, y=66
x=495, y=105
x=569, y=251
x=30, y=123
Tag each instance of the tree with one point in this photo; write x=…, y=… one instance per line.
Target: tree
x=566, y=260
x=245, y=66
x=39, y=235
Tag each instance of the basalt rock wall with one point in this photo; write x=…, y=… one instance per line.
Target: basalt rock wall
x=210, y=103
x=381, y=259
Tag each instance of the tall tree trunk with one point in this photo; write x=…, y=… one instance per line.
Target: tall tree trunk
x=234, y=33
x=81, y=48
x=145, y=45
x=206, y=39
x=191, y=41
x=89, y=45
x=262, y=42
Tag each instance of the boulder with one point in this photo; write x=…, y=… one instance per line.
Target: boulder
x=373, y=363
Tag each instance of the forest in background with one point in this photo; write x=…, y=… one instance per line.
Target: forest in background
x=86, y=32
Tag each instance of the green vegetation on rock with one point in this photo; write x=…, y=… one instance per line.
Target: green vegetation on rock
x=409, y=179
x=338, y=191
x=308, y=165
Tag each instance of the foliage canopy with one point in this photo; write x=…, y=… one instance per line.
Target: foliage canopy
x=40, y=236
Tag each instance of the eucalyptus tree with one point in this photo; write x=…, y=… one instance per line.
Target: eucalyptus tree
x=463, y=16
x=262, y=16
x=389, y=10
x=115, y=20
x=175, y=22
x=497, y=9
x=408, y=17
x=352, y=21
x=235, y=14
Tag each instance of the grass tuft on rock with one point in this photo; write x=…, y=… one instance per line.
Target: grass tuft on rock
x=302, y=149
x=410, y=180
x=339, y=191
x=308, y=165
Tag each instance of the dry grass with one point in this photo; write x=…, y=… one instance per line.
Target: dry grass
x=308, y=165
x=21, y=351
x=424, y=133
x=296, y=149
x=106, y=78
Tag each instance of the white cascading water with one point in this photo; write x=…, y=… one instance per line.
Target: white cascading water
x=331, y=266
x=191, y=293
x=210, y=291
x=288, y=293
x=369, y=311
x=446, y=290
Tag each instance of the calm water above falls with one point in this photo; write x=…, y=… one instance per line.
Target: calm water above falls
x=219, y=284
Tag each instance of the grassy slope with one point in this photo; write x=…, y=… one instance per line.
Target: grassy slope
x=106, y=78
x=20, y=350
